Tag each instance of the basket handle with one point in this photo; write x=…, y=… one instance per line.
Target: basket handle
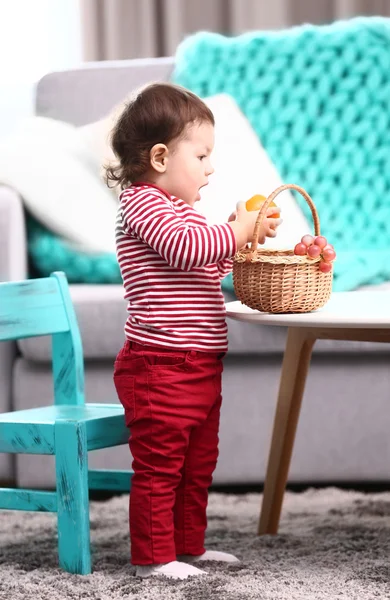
x=263, y=210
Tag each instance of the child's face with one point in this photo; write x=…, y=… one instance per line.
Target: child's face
x=189, y=165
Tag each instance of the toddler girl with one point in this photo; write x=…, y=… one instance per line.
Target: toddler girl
x=168, y=373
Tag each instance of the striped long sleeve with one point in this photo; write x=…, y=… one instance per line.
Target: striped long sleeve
x=171, y=263
x=183, y=244
x=225, y=267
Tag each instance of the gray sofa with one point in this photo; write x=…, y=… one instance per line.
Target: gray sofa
x=343, y=433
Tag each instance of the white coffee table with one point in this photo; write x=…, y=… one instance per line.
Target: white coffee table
x=361, y=316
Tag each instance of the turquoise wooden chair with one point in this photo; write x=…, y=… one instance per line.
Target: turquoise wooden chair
x=67, y=429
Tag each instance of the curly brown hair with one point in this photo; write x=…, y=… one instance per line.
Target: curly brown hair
x=159, y=113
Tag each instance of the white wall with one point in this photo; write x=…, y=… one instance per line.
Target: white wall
x=36, y=36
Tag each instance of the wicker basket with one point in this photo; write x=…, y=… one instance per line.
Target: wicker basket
x=278, y=281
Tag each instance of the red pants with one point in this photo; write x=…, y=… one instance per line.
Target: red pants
x=172, y=403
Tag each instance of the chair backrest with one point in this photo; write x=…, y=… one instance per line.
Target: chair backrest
x=36, y=307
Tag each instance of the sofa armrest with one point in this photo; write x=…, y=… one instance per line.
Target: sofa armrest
x=13, y=245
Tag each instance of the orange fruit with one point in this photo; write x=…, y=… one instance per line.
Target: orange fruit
x=256, y=202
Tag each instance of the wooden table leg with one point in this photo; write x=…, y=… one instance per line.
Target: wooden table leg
x=292, y=384
x=296, y=362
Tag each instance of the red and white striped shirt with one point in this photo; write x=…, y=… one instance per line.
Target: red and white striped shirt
x=172, y=264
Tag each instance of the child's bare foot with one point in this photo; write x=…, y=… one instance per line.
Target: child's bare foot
x=214, y=555
x=173, y=570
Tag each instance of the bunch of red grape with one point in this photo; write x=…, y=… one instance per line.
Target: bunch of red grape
x=315, y=247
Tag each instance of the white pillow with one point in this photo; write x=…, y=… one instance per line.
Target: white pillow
x=242, y=169
x=51, y=170
x=95, y=137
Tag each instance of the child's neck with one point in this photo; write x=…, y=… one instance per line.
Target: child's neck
x=158, y=180
x=144, y=181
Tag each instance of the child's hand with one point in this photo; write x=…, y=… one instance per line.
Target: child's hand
x=269, y=225
x=232, y=217
x=244, y=225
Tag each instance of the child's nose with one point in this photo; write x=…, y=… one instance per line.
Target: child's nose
x=210, y=169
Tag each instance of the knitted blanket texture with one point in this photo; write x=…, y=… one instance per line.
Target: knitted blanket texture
x=318, y=97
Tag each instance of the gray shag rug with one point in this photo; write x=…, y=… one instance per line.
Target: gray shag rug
x=331, y=544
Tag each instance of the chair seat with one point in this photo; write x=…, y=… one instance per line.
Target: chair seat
x=47, y=415
x=32, y=431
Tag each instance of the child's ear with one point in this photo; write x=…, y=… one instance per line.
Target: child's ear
x=159, y=157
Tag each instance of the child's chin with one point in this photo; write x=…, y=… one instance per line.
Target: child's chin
x=192, y=201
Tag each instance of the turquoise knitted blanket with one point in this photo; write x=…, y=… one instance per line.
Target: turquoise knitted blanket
x=318, y=97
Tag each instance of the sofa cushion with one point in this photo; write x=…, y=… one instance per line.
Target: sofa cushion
x=101, y=313
x=86, y=94
x=49, y=253
x=52, y=171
